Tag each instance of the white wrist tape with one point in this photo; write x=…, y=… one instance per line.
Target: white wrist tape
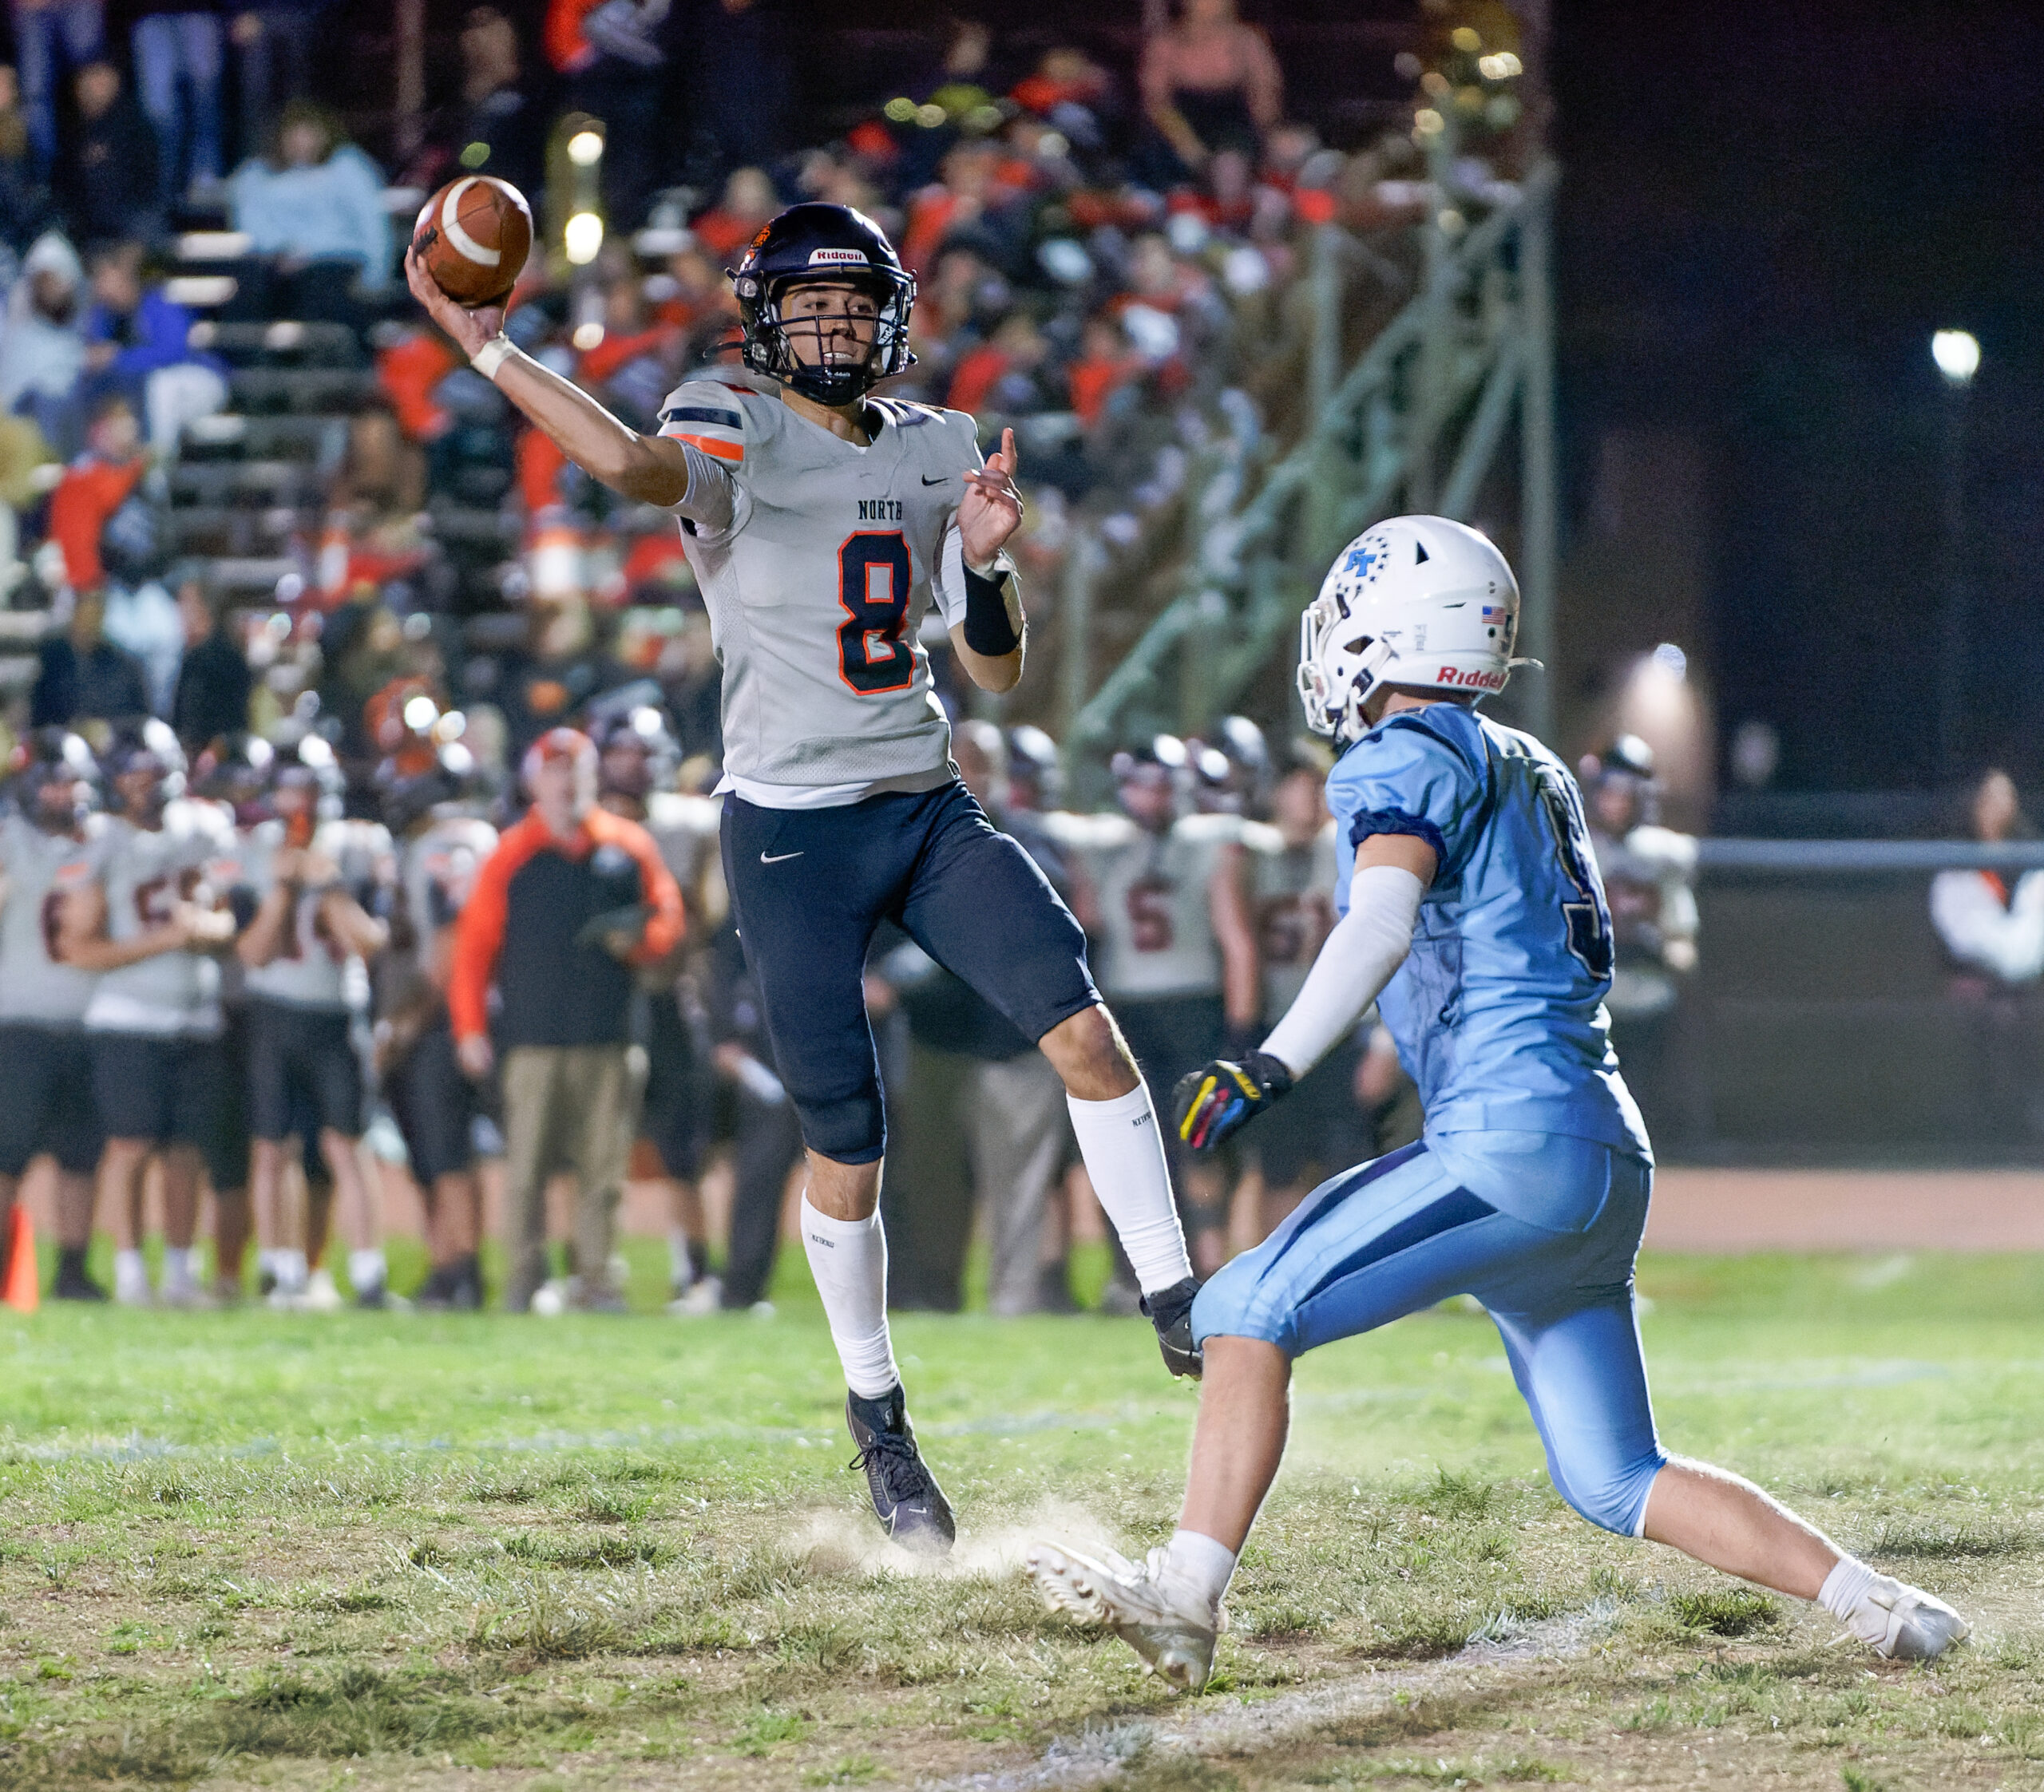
x=492, y=355
x=1367, y=946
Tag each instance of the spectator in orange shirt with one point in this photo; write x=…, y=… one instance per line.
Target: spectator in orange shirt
x=94, y=486
x=1001, y=373
x=749, y=200
x=1104, y=365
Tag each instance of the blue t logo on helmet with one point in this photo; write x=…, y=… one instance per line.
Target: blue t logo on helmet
x=814, y=243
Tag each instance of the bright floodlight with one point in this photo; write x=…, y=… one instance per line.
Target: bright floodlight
x=585, y=148
x=582, y=238
x=1957, y=352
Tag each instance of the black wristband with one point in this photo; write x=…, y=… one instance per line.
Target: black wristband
x=988, y=630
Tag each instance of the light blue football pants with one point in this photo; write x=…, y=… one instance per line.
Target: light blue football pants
x=1542, y=1229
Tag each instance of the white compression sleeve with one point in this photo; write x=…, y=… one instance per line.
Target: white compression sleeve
x=1360, y=954
x=848, y=1259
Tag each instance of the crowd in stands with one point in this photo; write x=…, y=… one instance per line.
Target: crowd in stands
x=247, y=489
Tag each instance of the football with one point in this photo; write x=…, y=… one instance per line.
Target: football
x=473, y=236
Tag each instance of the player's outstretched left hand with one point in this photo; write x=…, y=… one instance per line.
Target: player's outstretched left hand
x=1213, y=1104
x=992, y=509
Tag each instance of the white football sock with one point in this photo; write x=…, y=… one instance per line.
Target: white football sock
x=1124, y=1153
x=289, y=1266
x=131, y=1276
x=848, y=1259
x=180, y=1269
x=1196, y=1565
x=367, y=1269
x=680, y=1271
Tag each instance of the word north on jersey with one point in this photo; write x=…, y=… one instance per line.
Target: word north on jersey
x=882, y=510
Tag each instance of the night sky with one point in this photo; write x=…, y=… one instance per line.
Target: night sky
x=1766, y=212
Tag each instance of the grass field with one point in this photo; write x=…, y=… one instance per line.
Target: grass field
x=394, y=1550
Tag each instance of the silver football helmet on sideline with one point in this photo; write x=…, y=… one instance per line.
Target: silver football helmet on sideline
x=1420, y=602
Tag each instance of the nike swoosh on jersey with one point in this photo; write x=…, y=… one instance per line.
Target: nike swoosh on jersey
x=942, y=479
x=777, y=858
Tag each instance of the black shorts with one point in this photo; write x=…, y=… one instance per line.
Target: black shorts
x=303, y=1066
x=1320, y=1129
x=434, y=1105
x=227, y=1151
x=809, y=888
x=675, y=1115
x=165, y=1088
x=46, y=1098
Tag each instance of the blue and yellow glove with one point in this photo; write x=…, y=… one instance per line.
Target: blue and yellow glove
x=1214, y=1104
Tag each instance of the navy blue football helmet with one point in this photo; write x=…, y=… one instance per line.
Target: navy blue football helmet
x=818, y=242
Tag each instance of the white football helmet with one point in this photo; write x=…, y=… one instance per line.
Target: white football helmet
x=1416, y=601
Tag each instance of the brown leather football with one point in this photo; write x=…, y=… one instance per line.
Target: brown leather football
x=474, y=237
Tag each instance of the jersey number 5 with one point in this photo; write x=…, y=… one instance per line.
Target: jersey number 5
x=1588, y=920
x=872, y=586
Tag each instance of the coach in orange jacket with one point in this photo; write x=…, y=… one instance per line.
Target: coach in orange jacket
x=571, y=902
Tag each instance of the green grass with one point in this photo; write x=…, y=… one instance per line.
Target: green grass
x=248, y=1549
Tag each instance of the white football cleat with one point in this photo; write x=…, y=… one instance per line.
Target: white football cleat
x=1175, y=1636
x=1902, y=1623
x=320, y=1294
x=704, y=1295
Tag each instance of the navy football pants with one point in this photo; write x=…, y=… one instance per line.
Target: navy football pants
x=810, y=886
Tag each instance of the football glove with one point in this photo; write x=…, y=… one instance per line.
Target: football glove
x=1213, y=1104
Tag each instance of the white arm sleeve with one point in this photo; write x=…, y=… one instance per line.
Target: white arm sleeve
x=710, y=502
x=1367, y=946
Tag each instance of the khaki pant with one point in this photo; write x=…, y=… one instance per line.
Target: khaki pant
x=565, y=1107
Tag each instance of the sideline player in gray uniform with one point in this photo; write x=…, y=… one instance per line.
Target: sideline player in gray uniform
x=303, y=956
x=1165, y=894
x=441, y=847
x=149, y=924
x=53, y=845
x=1292, y=871
x=822, y=524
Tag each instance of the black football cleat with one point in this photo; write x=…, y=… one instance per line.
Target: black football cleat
x=1169, y=1310
x=73, y=1283
x=906, y=1499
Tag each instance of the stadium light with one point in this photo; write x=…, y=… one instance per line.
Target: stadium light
x=1957, y=352
x=584, y=238
x=585, y=148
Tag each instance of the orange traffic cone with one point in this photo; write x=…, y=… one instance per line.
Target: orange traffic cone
x=23, y=1288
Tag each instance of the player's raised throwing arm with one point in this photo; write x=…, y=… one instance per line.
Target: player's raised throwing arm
x=1358, y=958
x=652, y=469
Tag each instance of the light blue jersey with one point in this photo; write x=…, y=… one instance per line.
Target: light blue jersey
x=1498, y=1012
x=1531, y=1188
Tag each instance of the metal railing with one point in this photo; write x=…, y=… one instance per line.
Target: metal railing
x=1416, y=423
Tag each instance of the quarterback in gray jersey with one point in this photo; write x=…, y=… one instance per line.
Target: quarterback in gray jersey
x=52, y=847
x=823, y=524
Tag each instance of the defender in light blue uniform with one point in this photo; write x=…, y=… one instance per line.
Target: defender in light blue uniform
x=1473, y=913
x=1530, y=1187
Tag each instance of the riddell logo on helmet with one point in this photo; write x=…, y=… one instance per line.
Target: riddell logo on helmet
x=837, y=258
x=1470, y=681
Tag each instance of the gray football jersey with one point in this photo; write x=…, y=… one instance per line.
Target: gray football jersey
x=311, y=969
x=40, y=869
x=1292, y=894
x=817, y=561
x=1157, y=927
x=191, y=857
